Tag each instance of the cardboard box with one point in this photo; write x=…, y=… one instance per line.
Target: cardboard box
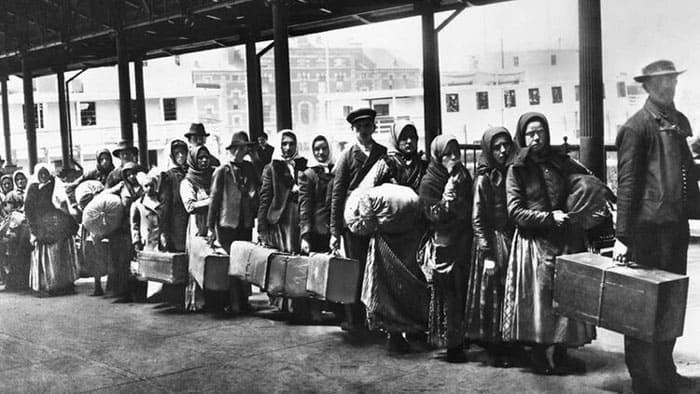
x=647, y=304
x=333, y=278
x=163, y=267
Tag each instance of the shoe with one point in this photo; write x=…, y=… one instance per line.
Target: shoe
x=456, y=355
x=396, y=343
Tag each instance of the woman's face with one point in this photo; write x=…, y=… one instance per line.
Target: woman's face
x=409, y=144
x=150, y=188
x=450, y=158
x=289, y=147
x=44, y=175
x=104, y=160
x=535, y=135
x=130, y=177
x=501, y=147
x=21, y=181
x=6, y=185
x=321, y=151
x=203, y=160
x=180, y=156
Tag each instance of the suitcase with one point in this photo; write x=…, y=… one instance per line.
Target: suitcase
x=333, y=278
x=250, y=261
x=648, y=304
x=163, y=267
x=288, y=275
x=216, y=270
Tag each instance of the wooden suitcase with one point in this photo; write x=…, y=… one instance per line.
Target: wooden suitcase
x=288, y=275
x=333, y=278
x=647, y=304
x=250, y=261
x=163, y=267
x=216, y=270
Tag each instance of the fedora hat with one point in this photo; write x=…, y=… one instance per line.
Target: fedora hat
x=657, y=68
x=361, y=113
x=196, y=129
x=238, y=139
x=125, y=145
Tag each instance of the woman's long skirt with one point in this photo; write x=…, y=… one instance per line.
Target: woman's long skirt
x=394, y=289
x=485, y=292
x=527, y=313
x=448, y=294
x=54, y=267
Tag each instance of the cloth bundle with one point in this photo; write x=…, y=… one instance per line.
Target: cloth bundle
x=86, y=191
x=103, y=215
x=588, y=200
x=387, y=208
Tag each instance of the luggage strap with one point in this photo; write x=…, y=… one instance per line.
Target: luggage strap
x=602, y=290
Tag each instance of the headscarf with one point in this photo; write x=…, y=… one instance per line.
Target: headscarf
x=546, y=152
x=2, y=183
x=58, y=194
x=14, y=178
x=488, y=165
x=109, y=167
x=329, y=162
x=199, y=177
x=436, y=176
x=402, y=129
x=277, y=154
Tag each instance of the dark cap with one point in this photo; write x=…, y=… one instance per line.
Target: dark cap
x=125, y=145
x=361, y=113
x=196, y=129
x=238, y=139
x=657, y=68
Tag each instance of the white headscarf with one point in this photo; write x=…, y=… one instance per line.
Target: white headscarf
x=59, y=196
x=312, y=160
x=276, y=141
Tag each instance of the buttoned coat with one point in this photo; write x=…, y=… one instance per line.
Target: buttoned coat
x=234, y=195
x=276, y=190
x=146, y=224
x=315, y=185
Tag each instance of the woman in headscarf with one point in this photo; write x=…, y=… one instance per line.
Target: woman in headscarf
x=536, y=192
x=403, y=164
x=195, y=189
x=493, y=234
x=314, y=198
x=103, y=168
x=54, y=265
x=121, y=248
x=15, y=245
x=6, y=186
x=21, y=179
x=446, y=196
x=278, y=213
x=176, y=217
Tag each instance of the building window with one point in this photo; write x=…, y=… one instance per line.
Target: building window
x=87, y=113
x=452, y=102
x=267, y=113
x=236, y=120
x=556, y=95
x=382, y=109
x=304, y=113
x=38, y=116
x=169, y=109
x=534, y=95
x=346, y=110
x=516, y=61
x=482, y=100
x=577, y=93
x=621, y=89
x=509, y=98
x=236, y=105
x=553, y=60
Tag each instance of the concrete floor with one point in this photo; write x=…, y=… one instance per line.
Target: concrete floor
x=80, y=344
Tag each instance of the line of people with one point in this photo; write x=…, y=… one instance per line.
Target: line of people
x=475, y=265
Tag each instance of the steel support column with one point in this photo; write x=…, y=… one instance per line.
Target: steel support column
x=124, y=89
x=431, y=75
x=6, y=121
x=141, y=113
x=255, y=113
x=29, y=125
x=63, y=119
x=591, y=87
x=283, y=99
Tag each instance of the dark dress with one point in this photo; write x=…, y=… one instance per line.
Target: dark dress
x=315, y=185
x=176, y=217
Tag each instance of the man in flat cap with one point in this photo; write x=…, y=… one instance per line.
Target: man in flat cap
x=197, y=136
x=350, y=170
x=657, y=194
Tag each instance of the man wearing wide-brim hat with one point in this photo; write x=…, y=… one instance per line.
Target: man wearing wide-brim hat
x=350, y=170
x=657, y=194
x=126, y=152
x=197, y=136
x=233, y=207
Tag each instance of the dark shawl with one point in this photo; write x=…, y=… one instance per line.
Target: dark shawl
x=546, y=154
x=103, y=171
x=200, y=177
x=488, y=165
x=436, y=175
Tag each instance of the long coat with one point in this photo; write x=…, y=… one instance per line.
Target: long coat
x=277, y=185
x=175, y=217
x=234, y=192
x=146, y=224
x=315, y=187
x=350, y=170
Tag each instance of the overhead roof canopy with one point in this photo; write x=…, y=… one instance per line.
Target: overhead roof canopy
x=80, y=34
